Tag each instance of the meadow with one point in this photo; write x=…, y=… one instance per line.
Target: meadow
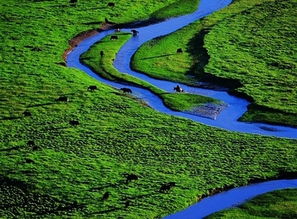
x=50, y=167
x=103, y=65
x=278, y=204
x=249, y=47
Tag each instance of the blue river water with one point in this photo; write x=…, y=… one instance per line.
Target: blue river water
x=228, y=118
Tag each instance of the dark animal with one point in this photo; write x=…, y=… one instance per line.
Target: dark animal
x=36, y=49
x=61, y=63
x=127, y=203
x=131, y=177
x=180, y=50
x=73, y=122
x=178, y=89
x=63, y=99
x=27, y=113
x=73, y=2
x=114, y=37
x=134, y=32
x=30, y=143
x=29, y=161
x=92, y=88
x=111, y=4
x=166, y=187
x=101, y=53
x=126, y=90
x=105, y=196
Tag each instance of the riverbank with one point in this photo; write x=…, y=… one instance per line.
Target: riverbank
x=66, y=168
x=204, y=58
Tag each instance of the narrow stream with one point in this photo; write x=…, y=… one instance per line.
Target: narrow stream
x=226, y=120
x=231, y=198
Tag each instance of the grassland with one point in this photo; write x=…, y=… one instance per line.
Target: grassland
x=103, y=65
x=252, y=42
x=278, y=204
x=68, y=169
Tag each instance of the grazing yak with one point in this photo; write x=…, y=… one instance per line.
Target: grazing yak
x=105, y=196
x=92, y=88
x=73, y=2
x=101, y=53
x=74, y=122
x=135, y=32
x=178, y=89
x=131, y=177
x=166, y=187
x=179, y=50
x=27, y=113
x=114, y=37
x=32, y=145
x=126, y=90
x=111, y=4
x=62, y=99
x=29, y=160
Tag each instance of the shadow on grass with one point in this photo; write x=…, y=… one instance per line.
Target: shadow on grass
x=18, y=197
x=199, y=53
x=11, y=118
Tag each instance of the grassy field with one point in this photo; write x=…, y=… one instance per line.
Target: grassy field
x=278, y=204
x=49, y=167
x=103, y=65
x=254, y=52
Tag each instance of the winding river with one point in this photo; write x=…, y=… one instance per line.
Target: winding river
x=228, y=118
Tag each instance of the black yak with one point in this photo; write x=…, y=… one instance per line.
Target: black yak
x=111, y=4
x=180, y=50
x=114, y=37
x=74, y=122
x=27, y=113
x=105, y=196
x=130, y=177
x=166, y=187
x=92, y=88
x=126, y=90
x=62, y=99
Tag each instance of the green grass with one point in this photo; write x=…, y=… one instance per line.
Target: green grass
x=177, y=8
x=103, y=65
x=73, y=166
x=278, y=204
x=264, y=62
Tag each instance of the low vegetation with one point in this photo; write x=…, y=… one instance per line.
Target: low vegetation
x=254, y=53
x=53, y=166
x=103, y=65
x=278, y=204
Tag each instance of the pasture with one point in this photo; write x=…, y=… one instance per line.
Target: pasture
x=103, y=65
x=241, y=47
x=52, y=166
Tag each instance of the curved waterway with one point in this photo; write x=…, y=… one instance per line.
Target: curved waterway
x=226, y=120
x=232, y=198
